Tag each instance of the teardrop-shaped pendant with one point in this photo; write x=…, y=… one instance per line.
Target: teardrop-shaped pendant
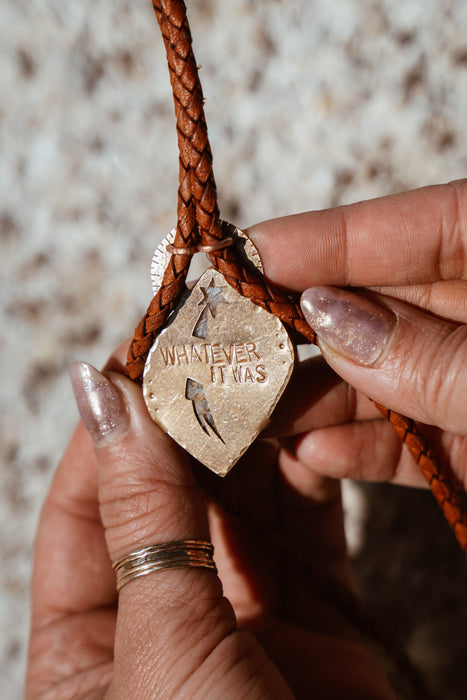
x=216, y=372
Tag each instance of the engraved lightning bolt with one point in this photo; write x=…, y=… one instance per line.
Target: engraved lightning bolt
x=212, y=297
x=194, y=392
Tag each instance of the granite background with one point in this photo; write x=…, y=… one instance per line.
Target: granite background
x=310, y=103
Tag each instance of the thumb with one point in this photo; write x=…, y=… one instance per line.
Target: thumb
x=402, y=358
x=170, y=622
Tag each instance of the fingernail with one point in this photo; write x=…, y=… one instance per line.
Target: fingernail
x=348, y=323
x=100, y=404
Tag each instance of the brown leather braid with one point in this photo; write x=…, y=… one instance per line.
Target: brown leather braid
x=438, y=478
x=188, y=99
x=198, y=222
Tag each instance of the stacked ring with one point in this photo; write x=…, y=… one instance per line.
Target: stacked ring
x=169, y=555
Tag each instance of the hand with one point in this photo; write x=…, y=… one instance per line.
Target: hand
x=402, y=341
x=124, y=485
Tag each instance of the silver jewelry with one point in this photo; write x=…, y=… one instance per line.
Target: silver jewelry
x=168, y=555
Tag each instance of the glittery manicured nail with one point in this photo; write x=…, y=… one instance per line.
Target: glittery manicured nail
x=100, y=404
x=348, y=323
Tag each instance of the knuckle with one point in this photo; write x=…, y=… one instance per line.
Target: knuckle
x=130, y=520
x=344, y=248
x=149, y=515
x=454, y=232
x=444, y=384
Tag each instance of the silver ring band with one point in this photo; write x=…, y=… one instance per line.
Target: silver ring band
x=169, y=555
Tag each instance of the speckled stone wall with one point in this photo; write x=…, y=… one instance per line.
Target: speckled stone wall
x=310, y=103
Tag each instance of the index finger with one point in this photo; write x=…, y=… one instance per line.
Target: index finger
x=409, y=238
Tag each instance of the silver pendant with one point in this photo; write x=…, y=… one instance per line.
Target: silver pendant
x=216, y=372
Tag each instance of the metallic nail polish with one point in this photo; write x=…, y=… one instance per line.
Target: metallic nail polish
x=100, y=403
x=349, y=324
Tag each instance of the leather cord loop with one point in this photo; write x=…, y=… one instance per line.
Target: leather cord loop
x=198, y=224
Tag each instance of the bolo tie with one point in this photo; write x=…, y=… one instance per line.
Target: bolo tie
x=213, y=360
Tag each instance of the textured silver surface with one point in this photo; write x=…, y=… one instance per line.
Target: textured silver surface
x=160, y=260
x=215, y=374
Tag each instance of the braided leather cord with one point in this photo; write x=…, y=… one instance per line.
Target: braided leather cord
x=197, y=211
x=198, y=222
x=439, y=478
